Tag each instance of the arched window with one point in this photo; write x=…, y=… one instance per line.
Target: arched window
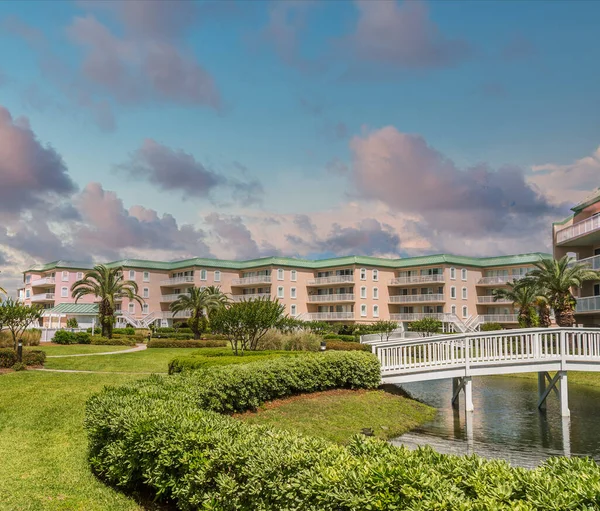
x=363, y=310
x=375, y=275
x=375, y=293
x=375, y=311
x=465, y=311
x=363, y=292
x=453, y=273
x=363, y=274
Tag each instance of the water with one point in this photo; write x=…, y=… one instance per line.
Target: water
x=506, y=422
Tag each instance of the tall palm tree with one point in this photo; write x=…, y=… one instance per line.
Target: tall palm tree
x=199, y=302
x=107, y=285
x=557, y=278
x=523, y=296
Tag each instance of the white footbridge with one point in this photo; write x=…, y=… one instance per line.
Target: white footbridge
x=464, y=356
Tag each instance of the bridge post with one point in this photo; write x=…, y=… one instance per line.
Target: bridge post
x=564, y=394
x=541, y=390
x=455, y=391
x=468, y=386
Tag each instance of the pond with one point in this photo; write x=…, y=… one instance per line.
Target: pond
x=506, y=422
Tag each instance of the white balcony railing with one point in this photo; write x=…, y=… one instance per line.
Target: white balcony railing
x=588, y=304
x=333, y=279
x=258, y=279
x=327, y=316
x=46, y=281
x=592, y=262
x=499, y=318
x=170, y=298
x=440, y=316
x=43, y=297
x=500, y=280
x=579, y=229
x=342, y=297
x=416, y=279
x=170, y=315
x=490, y=299
x=253, y=296
x=417, y=298
x=177, y=281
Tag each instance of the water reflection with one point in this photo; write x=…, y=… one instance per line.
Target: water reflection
x=506, y=422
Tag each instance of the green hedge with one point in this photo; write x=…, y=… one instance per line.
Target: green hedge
x=115, y=341
x=347, y=346
x=339, y=337
x=164, y=434
x=179, y=337
x=34, y=357
x=222, y=357
x=66, y=337
x=8, y=357
x=124, y=331
x=176, y=343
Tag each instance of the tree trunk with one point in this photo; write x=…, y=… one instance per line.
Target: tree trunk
x=524, y=318
x=544, y=313
x=565, y=317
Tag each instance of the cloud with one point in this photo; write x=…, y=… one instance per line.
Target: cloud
x=401, y=36
x=233, y=235
x=30, y=173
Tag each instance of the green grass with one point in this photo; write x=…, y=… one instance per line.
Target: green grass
x=592, y=379
x=74, y=349
x=43, y=446
x=339, y=414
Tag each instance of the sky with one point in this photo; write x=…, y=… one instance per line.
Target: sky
x=173, y=129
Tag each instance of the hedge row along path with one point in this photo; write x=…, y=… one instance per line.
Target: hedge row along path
x=138, y=347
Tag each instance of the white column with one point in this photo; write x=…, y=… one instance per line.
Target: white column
x=564, y=394
x=566, y=436
x=468, y=394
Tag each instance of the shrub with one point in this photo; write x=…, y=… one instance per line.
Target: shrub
x=82, y=338
x=20, y=366
x=489, y=327
x=180, y=337
x=30, y=337
x=347, y=346
x=34, y=357
x=64, y=337
x=302, y=341
x=176, y=343
x=171, y=330
x=272, y=340
x=120, y=341
x=72, y=323
x=8, y=357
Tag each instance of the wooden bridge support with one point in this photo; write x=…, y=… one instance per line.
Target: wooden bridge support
x=562, y=391
x=465, y=384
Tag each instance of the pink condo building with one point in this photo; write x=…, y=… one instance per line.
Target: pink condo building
x=454, y=289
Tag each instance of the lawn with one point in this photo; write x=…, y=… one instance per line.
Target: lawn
x=591, y=379
x=338, y=414
x=74, y=349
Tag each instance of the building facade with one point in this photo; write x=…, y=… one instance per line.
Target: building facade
x=454, y=289
x=579, y=237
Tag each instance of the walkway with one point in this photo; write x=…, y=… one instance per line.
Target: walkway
x=138, y=347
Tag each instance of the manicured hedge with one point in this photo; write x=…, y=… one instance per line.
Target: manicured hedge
x=8, y=357
x=347, y=346
x=164, y=434
x=176, y=343
x=115, y=341
x=124, y=331
x=34, y=357
x=179, y=337
x=67, y=337
x=339, y=337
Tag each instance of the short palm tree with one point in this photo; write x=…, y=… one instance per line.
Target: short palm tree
x=199, y=302
x=524, y=296
x=557, y=278
x=107, y=285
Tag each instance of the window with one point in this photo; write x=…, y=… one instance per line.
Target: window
x=217, y=276
x=280, y=292
x=146, y=293
x=203, y=274
x=453, y=273
x=453, y=292
x=596, y=289
x=375, y=311
x=453, y=309
x=465, y=311
x=27, y=293
x=293, y=309
x=79, y=275
x=375, y=293
x=363, y=274
x=132, y=308
x=463, y=274
x=280, y=274
x=464, y=293
x=131, y=274
x=363, y=292
x=293, y=275
x=146, y=276
x=375, y=275
x=293, y=292
x=28, y=279
x=145, y=308
x=64, y=292
x=65, y=276
x=117, y=306
x=363, y=310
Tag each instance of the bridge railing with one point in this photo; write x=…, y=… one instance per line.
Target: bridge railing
x=485, y=348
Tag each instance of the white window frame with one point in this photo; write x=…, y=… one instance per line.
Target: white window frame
x=363, y=310
x=375, y=311
x=131, y=274
x=363, y=292
x=280, y=274
x=280, y=292
x=64, y=292
x=65, y=276
x=453, y=293
x=453, y=310
x=79, y=275
x=452, y=273
x=375, y=275
x=27, y=279
x=375, y=293
x=293, y=275
x=463, y=274
x=363, y=274
x=217, y=276
x=146, y=292
x=146, y=276
x=293, y=310
x=145, y=308
x=27, y=293
x=465, y=311
x=292, y=292
x=131, y=308
x=464, y=293
x=203, y=274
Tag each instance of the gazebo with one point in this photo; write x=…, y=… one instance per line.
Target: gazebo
x=84, y=313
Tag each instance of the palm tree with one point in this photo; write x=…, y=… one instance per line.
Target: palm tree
x=108, y=285
x=557, y=278
x=199, y=302
x=543, y=307
x=524, y=296
x=3, y=291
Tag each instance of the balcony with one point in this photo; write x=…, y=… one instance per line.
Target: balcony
x=588, y=304
x=331, y=298
x=333, y=279
x=254, y=296
x=440, y=316
x=177, y=281
x=592, y=262
x=591, y=225
x=499, y=318
x=417, y=298
x=416, y=279
x=501, y=280
x=490, y=299
x=249, y=281
x=330, y=316
x=46, y=281
x=169, y=315
x=42, y=297
x=170, y=298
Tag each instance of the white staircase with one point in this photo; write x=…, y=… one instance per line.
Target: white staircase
x=139, y=323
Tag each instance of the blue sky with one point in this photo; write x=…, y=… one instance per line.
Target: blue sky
x=276, y=95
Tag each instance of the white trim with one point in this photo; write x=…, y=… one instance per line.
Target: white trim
x=463, y=274
x=65, y=276
x=293, y=310
x=363, y=292
x=375, y=293
x=375, y=311
x=363, y=274
x=465, y=311
x=363, y=310
x=453, y=292
x=292, y=292
x=217, y=277
x=280, y=292
x=146, y=292
x=452, y=273
x=64, y=292
x=464, y=293
x=131, y=274
x=375, y=274
x=146, y=277
x=293, y=275
x=203, y=274
x=280, y=274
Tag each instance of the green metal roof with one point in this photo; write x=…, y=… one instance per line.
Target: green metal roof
x=480, y=262
x=73, y=308
x=588, y=201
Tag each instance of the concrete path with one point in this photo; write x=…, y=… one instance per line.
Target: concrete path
x=138, y=347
